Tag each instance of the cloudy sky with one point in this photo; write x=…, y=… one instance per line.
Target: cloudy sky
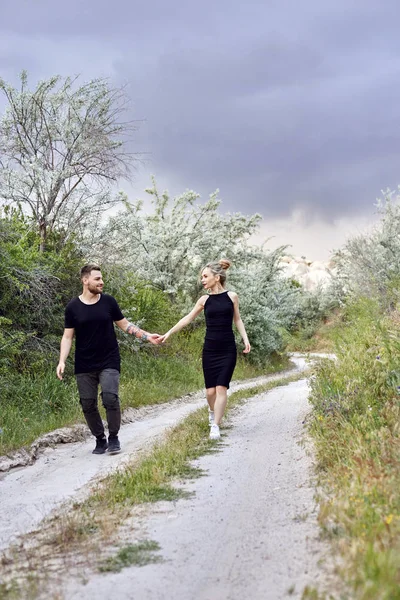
x=290, y=108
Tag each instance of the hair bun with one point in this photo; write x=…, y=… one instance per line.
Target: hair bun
x=224, y=263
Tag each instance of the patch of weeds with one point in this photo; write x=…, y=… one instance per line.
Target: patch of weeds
x=139, y=554
x=88, y=529
x=165, y=492
x=190, y=472
x=9, y=591
x=70, y=529
x=13, y=590
x=32, y=587
x=311, y=593
x=215, y=447
x=291, y=590
x=355, y=427
x=301, y=517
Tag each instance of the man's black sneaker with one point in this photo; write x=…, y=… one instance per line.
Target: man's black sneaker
x=101, y=446
x=113, y=445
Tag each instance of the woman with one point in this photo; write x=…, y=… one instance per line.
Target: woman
x=219, y=351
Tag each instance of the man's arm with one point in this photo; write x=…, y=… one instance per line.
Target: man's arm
x=141, y=334
x=65, y=347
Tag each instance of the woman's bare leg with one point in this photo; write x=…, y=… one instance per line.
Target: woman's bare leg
x=220, y=403
x=211, y=394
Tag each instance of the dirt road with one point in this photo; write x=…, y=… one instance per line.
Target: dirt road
x=249, y=530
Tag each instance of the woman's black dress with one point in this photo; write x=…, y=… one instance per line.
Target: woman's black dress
x=219, y=350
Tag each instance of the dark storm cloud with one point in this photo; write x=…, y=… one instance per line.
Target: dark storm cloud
x=282, y=105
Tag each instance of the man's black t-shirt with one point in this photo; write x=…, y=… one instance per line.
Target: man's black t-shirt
x=96, y=346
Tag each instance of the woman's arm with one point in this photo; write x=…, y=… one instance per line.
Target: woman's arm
x=198, y=307
x=238, y=322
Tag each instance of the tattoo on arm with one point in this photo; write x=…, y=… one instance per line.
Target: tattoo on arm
x=135, y=330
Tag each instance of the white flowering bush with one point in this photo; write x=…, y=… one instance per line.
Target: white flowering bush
x=369, y=264
x=168, y=248
x=267, y=304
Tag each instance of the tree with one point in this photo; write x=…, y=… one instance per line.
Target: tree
x=369, y=264
x=62, y=149
x=169, y=246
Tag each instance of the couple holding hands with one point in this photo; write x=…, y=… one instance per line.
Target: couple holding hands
x=90, y=319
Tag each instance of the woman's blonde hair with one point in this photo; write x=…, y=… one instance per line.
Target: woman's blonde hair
x=219, y=268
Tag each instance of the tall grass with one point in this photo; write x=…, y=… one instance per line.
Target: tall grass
x=356, y=428
x=319, y=338
x=33, y=405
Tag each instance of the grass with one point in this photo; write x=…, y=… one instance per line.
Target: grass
x=356, y=429
x=139, y=554
x=32, y=405
x=311, y=593
x=80, y=533
x=10, y=591
x=322, y=339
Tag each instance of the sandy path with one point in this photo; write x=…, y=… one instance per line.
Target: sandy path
x=68, y=471
x=249, y=531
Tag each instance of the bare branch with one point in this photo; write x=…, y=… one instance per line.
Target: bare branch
x=62, y=143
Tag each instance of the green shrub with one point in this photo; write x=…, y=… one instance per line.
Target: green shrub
x=355, y=425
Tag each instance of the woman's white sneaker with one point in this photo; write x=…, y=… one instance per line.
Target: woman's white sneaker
x=214, y=432
x=210, y=417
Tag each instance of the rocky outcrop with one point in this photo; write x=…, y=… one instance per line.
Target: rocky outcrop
x=312, y=275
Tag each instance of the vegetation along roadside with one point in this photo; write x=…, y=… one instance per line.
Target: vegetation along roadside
x=356, y=430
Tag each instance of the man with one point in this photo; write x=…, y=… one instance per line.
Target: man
x=90, y=318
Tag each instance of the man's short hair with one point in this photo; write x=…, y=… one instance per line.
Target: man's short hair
x=87, y=269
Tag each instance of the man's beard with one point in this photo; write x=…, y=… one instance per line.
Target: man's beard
x=94, y=290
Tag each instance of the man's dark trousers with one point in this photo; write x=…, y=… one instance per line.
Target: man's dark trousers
x=88, y=385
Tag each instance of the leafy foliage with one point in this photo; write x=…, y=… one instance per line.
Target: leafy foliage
x=356, y=401
x=369, y=264
x=35, y=287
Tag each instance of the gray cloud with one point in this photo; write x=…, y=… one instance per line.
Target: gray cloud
x=282, y=105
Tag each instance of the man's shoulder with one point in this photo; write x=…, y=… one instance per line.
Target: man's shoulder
x=108, y=298
x=73, y=303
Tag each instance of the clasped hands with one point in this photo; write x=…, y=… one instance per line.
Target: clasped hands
x=157, y=339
